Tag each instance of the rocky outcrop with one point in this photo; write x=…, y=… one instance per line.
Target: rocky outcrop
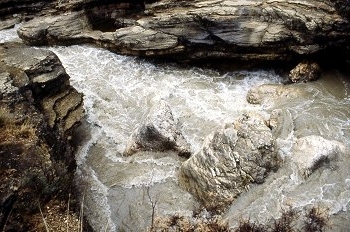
x=243, y=30
x=100, y=13
x=38, y=110
x=41, y=76
x=25, y=7
x=311, y=152
x=158, y=132
x=343, y=7
x=231, y=158
x=305, y=72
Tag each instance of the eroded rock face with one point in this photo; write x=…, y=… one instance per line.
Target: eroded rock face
x=158, y=132
x=305, y=72
x=36, y=157
x=41, y=76
x=231, y=158
x=311, y=152
x=243, y=30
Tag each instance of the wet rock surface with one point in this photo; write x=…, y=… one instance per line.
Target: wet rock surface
x=36, y=157
x=268, y=93
x=231, y=158
x=305, y=72
x=312, y=152
x=158, y=132
x=242, y=30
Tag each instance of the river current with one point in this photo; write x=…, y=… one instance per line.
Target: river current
x=120, y=90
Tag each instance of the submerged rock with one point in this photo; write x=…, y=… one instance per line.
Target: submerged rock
x=231, y=158
x=311, y=152
x=305, y=72
x=269, y=93
x=281, y=123
x=158, y=132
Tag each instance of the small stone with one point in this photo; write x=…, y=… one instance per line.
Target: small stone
x=305, y=72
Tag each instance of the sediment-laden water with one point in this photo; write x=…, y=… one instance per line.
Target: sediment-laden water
x=118, y=92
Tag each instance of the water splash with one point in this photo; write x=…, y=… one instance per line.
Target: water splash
x=9, y=35
x=120, y=90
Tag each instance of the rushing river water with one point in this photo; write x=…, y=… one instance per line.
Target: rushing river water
x=119, y=91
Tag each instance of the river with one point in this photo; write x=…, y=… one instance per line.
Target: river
x=119, y=191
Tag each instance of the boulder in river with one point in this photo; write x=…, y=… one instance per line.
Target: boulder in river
x=231, y=158
x=159, y=131
x=311, y=152
x=305, y=72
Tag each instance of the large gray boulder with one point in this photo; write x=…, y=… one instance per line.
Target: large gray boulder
x=159, y=131
x=231, y=158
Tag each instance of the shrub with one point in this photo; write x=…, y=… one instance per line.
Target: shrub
x=316, y=220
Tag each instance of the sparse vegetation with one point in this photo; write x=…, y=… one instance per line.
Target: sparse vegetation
x=248, y=226
x=15, y=130
x=285, y=222
x=316, y=220
x=39, y=181
x=56, y=216
x=188, y=224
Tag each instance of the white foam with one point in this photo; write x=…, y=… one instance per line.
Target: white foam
x=119, y=90
x=97, y=207
x=9, y=35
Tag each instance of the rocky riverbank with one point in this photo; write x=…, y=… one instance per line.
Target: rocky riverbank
x=38, y=111
x=256, y=31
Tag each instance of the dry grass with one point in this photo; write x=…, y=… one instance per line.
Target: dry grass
x=14, y=130
x=33, y=154
x=188, y=224
x=56, y=216
x=248, y=226
x=316, y=220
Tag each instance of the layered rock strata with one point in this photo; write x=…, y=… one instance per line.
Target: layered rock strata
x=243, y=30
x=38, y=110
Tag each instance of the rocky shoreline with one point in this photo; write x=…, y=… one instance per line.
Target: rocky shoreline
x=248, y=31
x=38, y=112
